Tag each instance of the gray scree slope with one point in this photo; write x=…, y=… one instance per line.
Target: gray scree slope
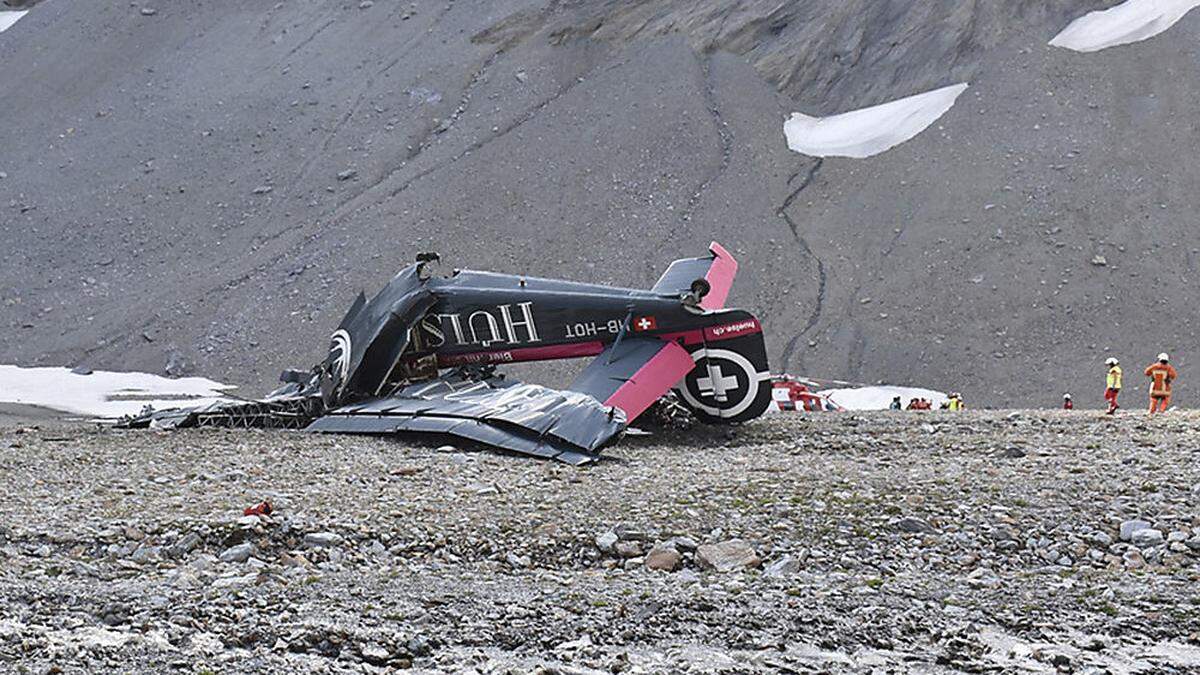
x=209, y=185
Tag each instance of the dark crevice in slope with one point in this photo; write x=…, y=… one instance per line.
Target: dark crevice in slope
x=477, y=145
x=328, y=137
x=722, y=129
x=724, y=147
x=506, y=39
x=827, y=55
x=519, y=121
x=464, y=102
x=822, y=276
x=808, y=179
x=892, y=244
x=854, y=360
x=476, y=78
x=305, y=42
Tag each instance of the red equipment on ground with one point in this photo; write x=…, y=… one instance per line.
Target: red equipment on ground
x=263, y=509
x=791, y=394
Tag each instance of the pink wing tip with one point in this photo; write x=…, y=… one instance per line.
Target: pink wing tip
x=720, y=277
x=719, y=251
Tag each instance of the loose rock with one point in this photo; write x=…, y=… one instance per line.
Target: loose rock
x=782, y=568
x=1146, y=537
x=912, y=525
x=663, y=558
x=607, y=542
x=727, y=556
x=1130, y=526
x=321, y=539
x=627, y=549
x=237, y=554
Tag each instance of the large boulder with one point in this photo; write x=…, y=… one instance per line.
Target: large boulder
x=727, y=556
x=1130, y=526
x=664, y=558
x=1147, y=537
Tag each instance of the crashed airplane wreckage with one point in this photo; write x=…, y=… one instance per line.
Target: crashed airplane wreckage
x=420, y=357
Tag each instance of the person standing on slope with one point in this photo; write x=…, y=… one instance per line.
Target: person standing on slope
x=1112, y=384
x=1161, y=375
x=956, y=402
x=1068, y=404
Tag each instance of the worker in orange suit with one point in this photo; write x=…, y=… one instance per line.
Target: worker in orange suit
x=1161, y=375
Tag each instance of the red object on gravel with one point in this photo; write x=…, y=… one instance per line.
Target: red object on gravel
x=263, y=509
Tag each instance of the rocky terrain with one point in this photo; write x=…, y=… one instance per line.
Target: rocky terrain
x=207, y=185
x=978, y=542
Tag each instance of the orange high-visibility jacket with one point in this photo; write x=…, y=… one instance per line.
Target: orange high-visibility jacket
x=1161, y=376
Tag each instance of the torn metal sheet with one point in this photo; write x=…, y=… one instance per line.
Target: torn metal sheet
x=525, y=418
x=567, y=415
x=419, y=357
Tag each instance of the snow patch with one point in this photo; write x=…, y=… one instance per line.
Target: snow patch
x=104, y=394
x=869, y=131
x=91, y=637
x=880, y=398
x=7, y=19
x=1176, y=654
x=1130, y=21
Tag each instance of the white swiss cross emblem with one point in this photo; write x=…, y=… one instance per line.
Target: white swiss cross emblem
x=723, y=384
x=717, y=385
x=644, y=323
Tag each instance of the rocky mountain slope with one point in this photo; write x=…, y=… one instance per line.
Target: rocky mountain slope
x=207, y=185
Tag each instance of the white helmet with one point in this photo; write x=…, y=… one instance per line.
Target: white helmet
x=1111, y=361
x=1163, y=357
x=1067, y=396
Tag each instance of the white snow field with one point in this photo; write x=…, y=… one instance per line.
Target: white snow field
x=880, y=398
x=103, y=394
x=7, y=19
x=869, y=131
x=1130, y=21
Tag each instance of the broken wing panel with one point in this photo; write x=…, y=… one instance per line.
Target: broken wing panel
x=294, y=412
x=634, y=373
x=526, y=418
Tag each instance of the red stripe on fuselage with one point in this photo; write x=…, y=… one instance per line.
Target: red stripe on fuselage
x=574, y=350
x=699, y=336
x=687, y=337
x=578, y=350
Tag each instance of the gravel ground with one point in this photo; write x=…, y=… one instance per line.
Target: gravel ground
x=981, y=542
